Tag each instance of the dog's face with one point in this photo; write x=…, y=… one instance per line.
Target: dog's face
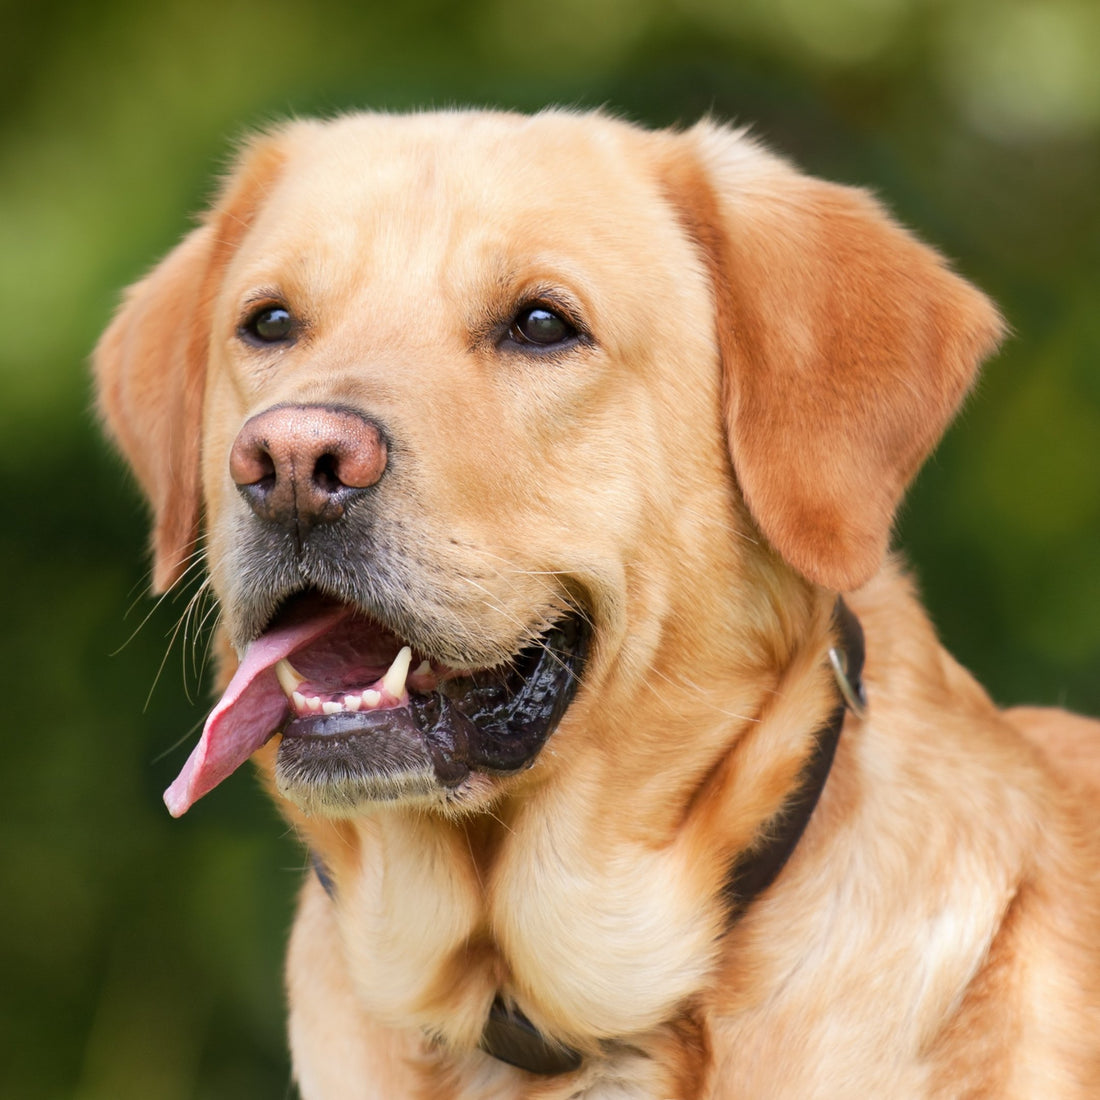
x=501, y=425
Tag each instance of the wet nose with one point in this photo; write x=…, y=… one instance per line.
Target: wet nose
x=304, y=465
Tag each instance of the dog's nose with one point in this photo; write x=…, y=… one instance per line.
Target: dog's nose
x=303, y=465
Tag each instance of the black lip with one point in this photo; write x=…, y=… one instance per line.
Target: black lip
x=494, y=721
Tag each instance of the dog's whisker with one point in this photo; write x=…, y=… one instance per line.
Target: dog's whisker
x=203, y=604
x=214, y=611
x=187, y=622
x=171, y=593
x=202, y=589
x=196, y=616
x=180, y=629
x=140, y=588
x=572, y=603
x=175, y=633
x=197, y=630
x=179, y=742
x=697, y=690
x=525, y=626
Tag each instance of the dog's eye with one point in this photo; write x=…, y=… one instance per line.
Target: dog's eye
x=541, y=326
x=269, y=325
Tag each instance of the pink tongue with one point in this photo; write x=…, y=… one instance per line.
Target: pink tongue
x=248, y=712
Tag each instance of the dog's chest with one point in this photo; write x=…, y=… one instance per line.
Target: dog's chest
x=588, y=944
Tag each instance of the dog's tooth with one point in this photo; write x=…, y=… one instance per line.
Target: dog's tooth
x=371, y=699
x=353, y=702
x=331, y=708
x=290, y=679
x=393, y=683
x=299, y=701
x=314, y=704
x=423, y=669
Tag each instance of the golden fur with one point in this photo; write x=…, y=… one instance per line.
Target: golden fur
x=772, y=359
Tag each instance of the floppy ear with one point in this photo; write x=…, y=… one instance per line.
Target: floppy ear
x=150, y=364
x=847, y=346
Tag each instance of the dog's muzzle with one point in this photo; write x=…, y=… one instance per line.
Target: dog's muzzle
x=365, y=714
x=365, y=718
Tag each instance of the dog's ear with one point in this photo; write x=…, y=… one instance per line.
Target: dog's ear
x=150, y=364
x=847, y=346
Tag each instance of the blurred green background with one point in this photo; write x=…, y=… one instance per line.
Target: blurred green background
x=140, y=957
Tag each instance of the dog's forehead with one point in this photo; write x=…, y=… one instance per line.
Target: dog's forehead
x=450, y=188
x=480, y=161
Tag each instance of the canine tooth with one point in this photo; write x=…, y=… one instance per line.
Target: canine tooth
x=314, y=704
x=299, y=700
x=353, y=702
x=371, y=698
x=423, y=668
x=393, y=683
x=331, y=708
x=290, y=679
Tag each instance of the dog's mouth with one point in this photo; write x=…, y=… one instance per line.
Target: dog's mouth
x=365, y=717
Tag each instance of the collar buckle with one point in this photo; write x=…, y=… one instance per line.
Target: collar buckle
x=854, y=695
x=846, y=658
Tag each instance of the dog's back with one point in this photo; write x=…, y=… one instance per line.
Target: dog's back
x=1071, y=742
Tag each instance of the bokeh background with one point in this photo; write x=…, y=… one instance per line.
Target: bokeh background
x=140, y=957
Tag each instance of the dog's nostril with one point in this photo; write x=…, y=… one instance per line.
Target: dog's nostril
x=249, y=460
x=265, y=468
x=326, y=474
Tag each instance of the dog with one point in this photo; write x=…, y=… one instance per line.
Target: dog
x=544, y=470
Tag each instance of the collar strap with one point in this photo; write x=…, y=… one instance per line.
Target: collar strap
x=757, y=868
x=510, y=1037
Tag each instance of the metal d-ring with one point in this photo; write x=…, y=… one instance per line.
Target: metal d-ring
x=854, y=698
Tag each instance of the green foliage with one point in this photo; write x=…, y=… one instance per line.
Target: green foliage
x=141, y=956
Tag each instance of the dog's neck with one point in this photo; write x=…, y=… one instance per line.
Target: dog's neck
x=510, y=1037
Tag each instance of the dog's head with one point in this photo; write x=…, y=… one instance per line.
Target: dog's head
x=492, y=416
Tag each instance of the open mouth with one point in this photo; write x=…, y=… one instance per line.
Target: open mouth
x=365, y=717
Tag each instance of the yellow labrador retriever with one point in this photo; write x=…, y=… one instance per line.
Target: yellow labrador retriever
x=530, y=456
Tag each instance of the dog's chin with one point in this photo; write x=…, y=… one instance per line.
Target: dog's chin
x=346, y=774
x=437, y=739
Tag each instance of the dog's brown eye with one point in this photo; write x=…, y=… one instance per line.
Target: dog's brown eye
x=541, y=326
x=269, y=325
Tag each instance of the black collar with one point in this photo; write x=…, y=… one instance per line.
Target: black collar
x=510, y=1037
x=755, y=869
